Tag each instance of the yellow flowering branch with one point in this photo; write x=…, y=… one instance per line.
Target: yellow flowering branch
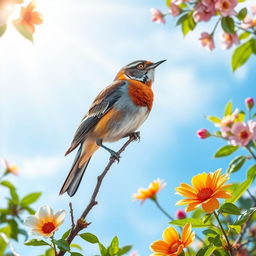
x=81, y=223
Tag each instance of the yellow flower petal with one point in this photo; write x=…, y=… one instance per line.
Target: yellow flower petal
x=199, y=181
x=170, y=235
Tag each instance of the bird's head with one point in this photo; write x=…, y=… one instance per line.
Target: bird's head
x=140, y=70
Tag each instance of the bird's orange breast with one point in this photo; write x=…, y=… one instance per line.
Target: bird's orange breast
x=141, y=94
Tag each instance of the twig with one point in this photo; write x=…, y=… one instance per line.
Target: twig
x=81, y=223
x=224, y=233
x=71, y=215
x=252, y=197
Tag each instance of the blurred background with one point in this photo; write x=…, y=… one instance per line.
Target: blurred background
x=48, y=86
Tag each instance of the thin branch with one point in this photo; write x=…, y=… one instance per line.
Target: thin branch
x=81, y=223
x=224, y=233
x=71, y=215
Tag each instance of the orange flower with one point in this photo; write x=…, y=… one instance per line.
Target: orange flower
x=29, y=18
x=10, y=168
x=150, y=192
x=172, y=244
x=205, y=190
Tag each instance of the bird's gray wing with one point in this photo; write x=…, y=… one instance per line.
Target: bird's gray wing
x=100, y=106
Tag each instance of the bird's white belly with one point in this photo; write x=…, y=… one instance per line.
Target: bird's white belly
x=131, y=119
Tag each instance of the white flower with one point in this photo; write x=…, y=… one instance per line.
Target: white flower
x=45, y=222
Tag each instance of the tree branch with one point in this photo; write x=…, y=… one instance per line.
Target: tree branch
x=81, y=223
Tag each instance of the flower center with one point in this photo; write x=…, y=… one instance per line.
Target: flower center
x=174, y=247
x=48, y=227
x=28, y=17
x=244, y=135
x=225, y=5
x=204, y=194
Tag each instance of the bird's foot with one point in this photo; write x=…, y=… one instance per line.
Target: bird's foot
x=114, y=155
x=135, y=136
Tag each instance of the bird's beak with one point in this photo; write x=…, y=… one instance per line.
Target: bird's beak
x=154, y=65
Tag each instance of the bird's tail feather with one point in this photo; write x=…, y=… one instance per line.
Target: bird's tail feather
x=78, y=168
x=75, y=175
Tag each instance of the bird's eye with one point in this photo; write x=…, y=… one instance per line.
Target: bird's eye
x=140, y=66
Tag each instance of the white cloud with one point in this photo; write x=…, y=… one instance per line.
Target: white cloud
x=40, y=166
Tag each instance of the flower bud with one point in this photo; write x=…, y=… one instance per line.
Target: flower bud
x=180, y=214
x=249, y=102
x=203, y=133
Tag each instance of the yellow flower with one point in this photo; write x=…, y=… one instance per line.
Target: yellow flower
x=172, y=244
x=29, y=18
x=150, y=192
x=45, y=222
x=10, y=168
x=205, y=190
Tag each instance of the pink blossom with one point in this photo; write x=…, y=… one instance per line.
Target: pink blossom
x=135, y=253
x=226, y=7
x=242, y=133
x=203, y=133
x=180, y=214
x=228, y=120
x=253, y=8
x=248, y=22
x=204, y=11
x=174, y=10
x=207, y=40
x=249, y=102
x=227, y=40
x=157, y=16
x=252, y=127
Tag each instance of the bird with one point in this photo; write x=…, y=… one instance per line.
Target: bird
x=117, y=112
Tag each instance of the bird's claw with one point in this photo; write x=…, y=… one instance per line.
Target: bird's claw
x=114, y=156
x=135, y=136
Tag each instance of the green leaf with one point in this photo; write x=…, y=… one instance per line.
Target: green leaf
x=3, y=29
x=236, y=164
x=7, y=184
x=181, y=19
x=225, y=151
x=214, y=119
x=29, y=210
x=237, y=228
x=241, y=219
x=240, y=116
x=62, y=244
x=168, y=2
x=244, y=35
x=76, y=254
x=242, y=54
x=35, y=242
x=196, y=223
x=188, y=24
x=216, y=241
x=227, y=24
x=123, y=250
x=23, y=31
x=228, y=109
x=206, y=251
x=230, y=209
x=89, y=238
x=77, y=246
x=242, y=13
x=14, y=196
x=66, y=234
x=114, y=246
x=30, y=198
x=239, y=191
x=14, y=229
x=102, y=248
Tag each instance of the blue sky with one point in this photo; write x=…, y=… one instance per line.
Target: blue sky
x=47, y=87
